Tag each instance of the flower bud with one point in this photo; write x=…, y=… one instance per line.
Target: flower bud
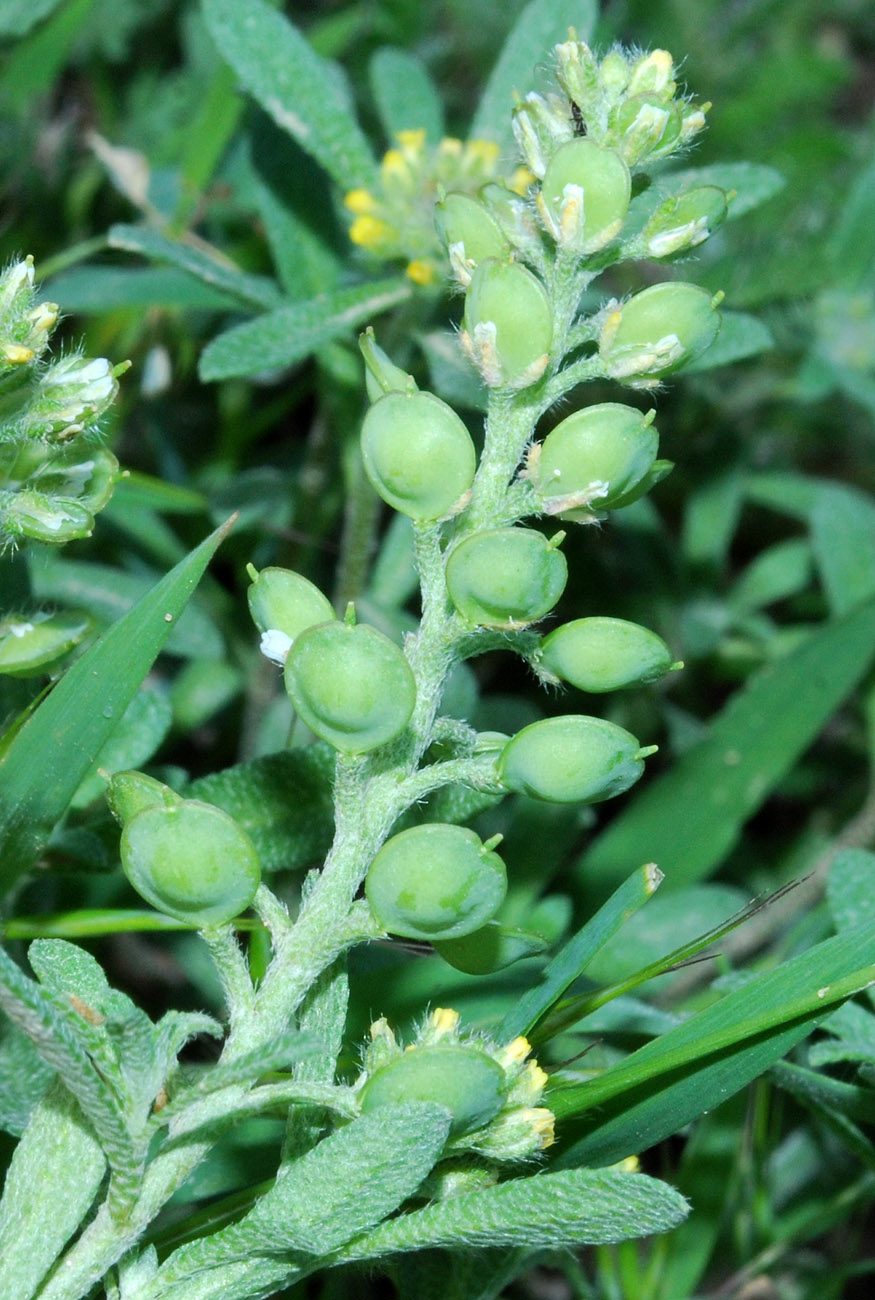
x=283, y=604
x=592, y=458
x=653, y=74
x=351, y=685
x=435, y=881
x=572, y=759
x=684, y=221
x=30, y=646
x=418, y=455
x=506, y=577
x=604, y=654
x=647, y=127
x=540, y=127
x=584, y=196
x=462, y=1078
x=191, y=861
x=577, y=72
x=508, y=325
x=469, y=233
x=658, y=331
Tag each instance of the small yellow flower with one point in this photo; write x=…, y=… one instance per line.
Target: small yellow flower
x=444, y=1020
x=481, y=154
x=450, y=147
x=360, y=201
x=370, y=232
x=543, y=1122
x=411, y=142
x=420, y=271
x=15, y=354
x=515, y=1052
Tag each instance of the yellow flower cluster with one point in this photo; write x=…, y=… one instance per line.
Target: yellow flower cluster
x=397, y=219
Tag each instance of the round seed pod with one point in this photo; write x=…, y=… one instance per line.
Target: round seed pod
x=605, y=449
x=571, y=759
x=685, y=220
x=605, y=654
x=489, y=949
x=418, y=454
x=508, y=325
x=191, y=861
x=351, y=685
x=462, y=1078
x=30, y=646
x=284, y=601
x=659, y=330
x=585, y=196
x=462, y=219
x=506, y=577
x=435, y=881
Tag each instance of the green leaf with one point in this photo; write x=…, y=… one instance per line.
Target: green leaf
x=24, y=1077
x=288, y=832
x=300, y=90
x=18, y=16
x=141, y=729
x=342, y=1187
x=540, y=26
x=405, y=95
x=689, y=818
x=689, y=1069
x=279, y=338
x=779, y=571
x=849, y=888
x=35, y=63
x=574, y=957
x=849, y=246
x=109, y=593
x=572, y=1208
x=52, y=1180
x=50, y=755
x=843, y=541
x=740, y=336
x=101, y=289
x=254, y=291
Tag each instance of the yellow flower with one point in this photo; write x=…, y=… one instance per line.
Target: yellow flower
x=360, y=201
x=371, y=232
x=420, y=271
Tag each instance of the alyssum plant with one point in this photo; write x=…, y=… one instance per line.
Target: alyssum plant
x=449, y=1140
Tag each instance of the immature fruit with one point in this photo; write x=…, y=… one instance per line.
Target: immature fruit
x=657, y=331
x=351, y=685
x=584, y=196
x=685, y=220
x=489, y=949
x=596, y=455
x=435, y=881
x=470, y=1084
x=418, y=454
x=571, y=759
x=129, y=793
x=604, y=654
x=285, y=601
x=30, y=645
x=465, y=225
x=191, y=861
x=508, y=326
x=506, y=577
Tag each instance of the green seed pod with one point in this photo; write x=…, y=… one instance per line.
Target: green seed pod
x=489, y=949
x=508, y=326
x=657, y=331
x=685, y=220
x=29, y=646
x=128, y=793
x=418, y=455
x=435, y=881
x=584, y=196
x=351, y=685
x=571, y=759
x=605, y=654
x=283, y=604
x=45, y=519
x=469, y=233
x=191, y=861
x=506, y=577
x=592, y=458
x=470, y=1084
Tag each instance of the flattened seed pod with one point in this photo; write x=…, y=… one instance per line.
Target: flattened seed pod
x=659, y=330
x=470, y=1084
x=572, y=759
x=508, y=324
x=600, y=453
x=506, y=577
x=351, y=685
x=605, y=654
x=191, y=861
x=418, y=454
x=584, y=196
x=435, y=881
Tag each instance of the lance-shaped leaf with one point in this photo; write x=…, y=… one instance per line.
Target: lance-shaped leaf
x=303, y=92
x=255, y=291
x=570, y=1208
x=52, y=752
